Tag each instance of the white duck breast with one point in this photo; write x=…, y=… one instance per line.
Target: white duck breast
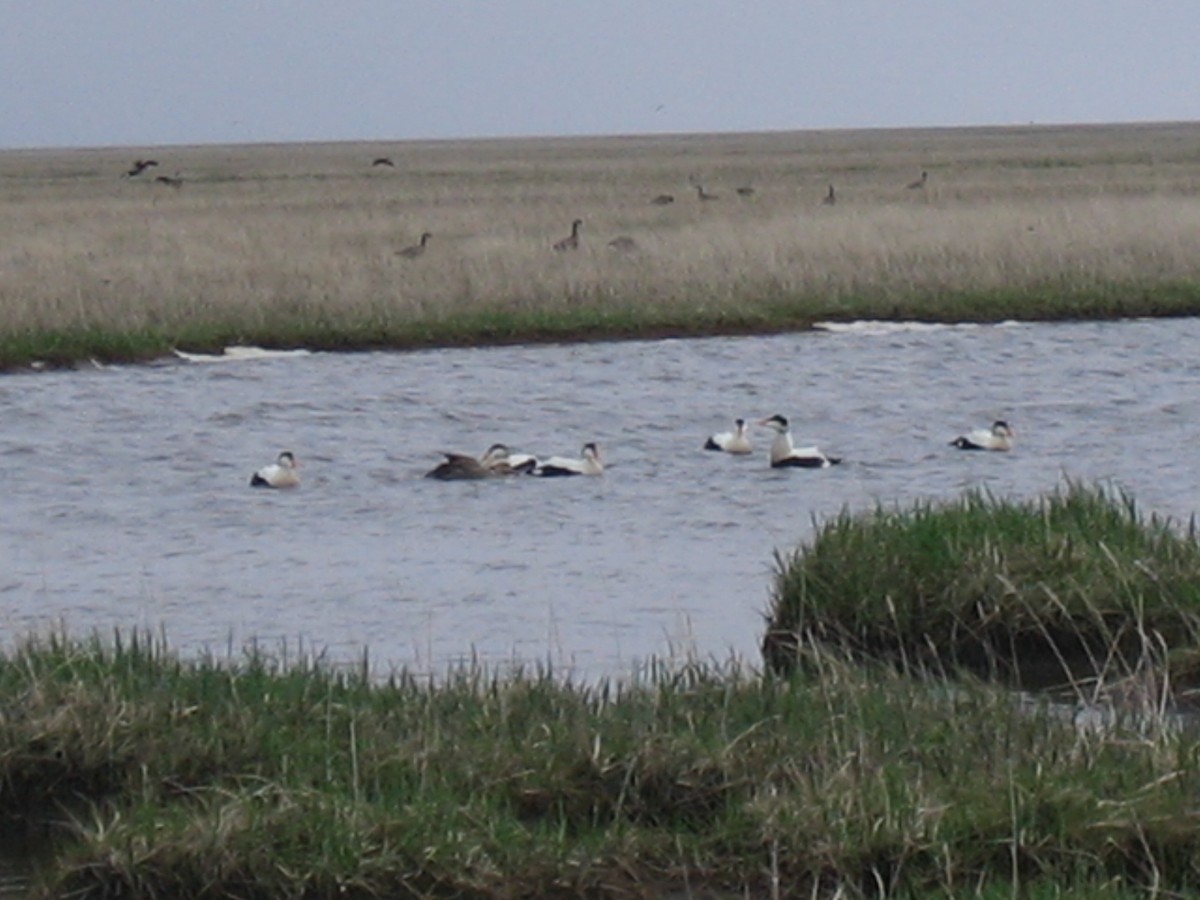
x=589, y=463
x=280, y=474
x=784, y=455
x=999, y=437
x=735, y=441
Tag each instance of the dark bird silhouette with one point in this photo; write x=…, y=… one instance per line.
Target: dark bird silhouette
x=384, y=161
x=705, y=195
x=744, y=191
x=173, y=180
x=919, y=183
x=663, y=200
x=830, y=198
x=571, y=242
x=416, y=249
x=140, y=166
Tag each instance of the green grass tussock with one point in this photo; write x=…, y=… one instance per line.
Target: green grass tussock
x=262, y=778
x=1074, y=584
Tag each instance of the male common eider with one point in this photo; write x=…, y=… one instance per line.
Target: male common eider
x=1000, y=437
x=784, y=455
x=588, y=464
x=735, y=441
x=279, y=474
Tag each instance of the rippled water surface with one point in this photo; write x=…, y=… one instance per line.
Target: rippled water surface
x=125, y=497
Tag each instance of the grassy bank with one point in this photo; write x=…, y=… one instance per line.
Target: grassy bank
x=253, y=779
x=1073, y=586
x=290, y=246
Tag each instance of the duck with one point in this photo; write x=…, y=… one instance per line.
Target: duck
x=735, y=441
x=784, y=455
x=1000, y=436
x=279, y=474
x=571, y=241
x=416, y=249
x=461, y=467
x=589, y=463
x=502, y=461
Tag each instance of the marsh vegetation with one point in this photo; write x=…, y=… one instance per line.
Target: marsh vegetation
x=298, y=245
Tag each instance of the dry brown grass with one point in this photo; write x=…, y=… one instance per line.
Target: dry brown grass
x=294, y=240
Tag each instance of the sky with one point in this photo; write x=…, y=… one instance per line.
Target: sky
x=153, y=72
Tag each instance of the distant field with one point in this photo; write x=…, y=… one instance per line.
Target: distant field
x=296, y=245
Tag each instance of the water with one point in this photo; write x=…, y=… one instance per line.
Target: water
x=125, y=497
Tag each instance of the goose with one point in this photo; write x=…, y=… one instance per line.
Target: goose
x=140, y=166
x=279, y=474
x=999, y=437
x=416, y=249
x=705, y=195
x=830, y=198
x=663, y=200
x=557, y=466
x=735, y=441
x=784, y=455
x=172, y=180
x=383, y=161
x=919, y=183
x=623, y=244
x=744, y=191
x=571, y=242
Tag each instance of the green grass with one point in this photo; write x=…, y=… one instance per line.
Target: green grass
x=257, y=778
x=1074, y=584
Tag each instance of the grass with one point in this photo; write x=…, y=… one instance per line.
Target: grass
x=1076, y=584
x=291, y=246
x=253, y=778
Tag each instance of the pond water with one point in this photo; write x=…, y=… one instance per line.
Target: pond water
x=126, y=503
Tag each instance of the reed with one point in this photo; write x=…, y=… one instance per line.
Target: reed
x=297, y=245
x=257, y=777
x=1072, y=586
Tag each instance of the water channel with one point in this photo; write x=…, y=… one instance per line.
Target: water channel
x=126, y=504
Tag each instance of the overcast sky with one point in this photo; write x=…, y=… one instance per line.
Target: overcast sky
x=146, y=72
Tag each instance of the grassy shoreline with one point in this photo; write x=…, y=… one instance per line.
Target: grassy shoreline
x=192, y=779
x=880, y=765
x=290, y=247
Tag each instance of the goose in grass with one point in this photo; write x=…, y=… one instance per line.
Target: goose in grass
x=999, y=437
x=139, y=166
x=279, y=474
x=571, y=241
x=919, y=183
x=588, y=463
x=830, y=198
x=417, y=249
x=663, y=200
x=736, y=441
x=784, y=455
x=623, y=243
x=704, y=195
x=383, y=161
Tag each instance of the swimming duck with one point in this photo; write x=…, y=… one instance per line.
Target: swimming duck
x=279, y=474
x=588, y=464
x=1000, y=437
x=461, y=467
x=735, y=441
x=784, y=455
x=502, y=461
